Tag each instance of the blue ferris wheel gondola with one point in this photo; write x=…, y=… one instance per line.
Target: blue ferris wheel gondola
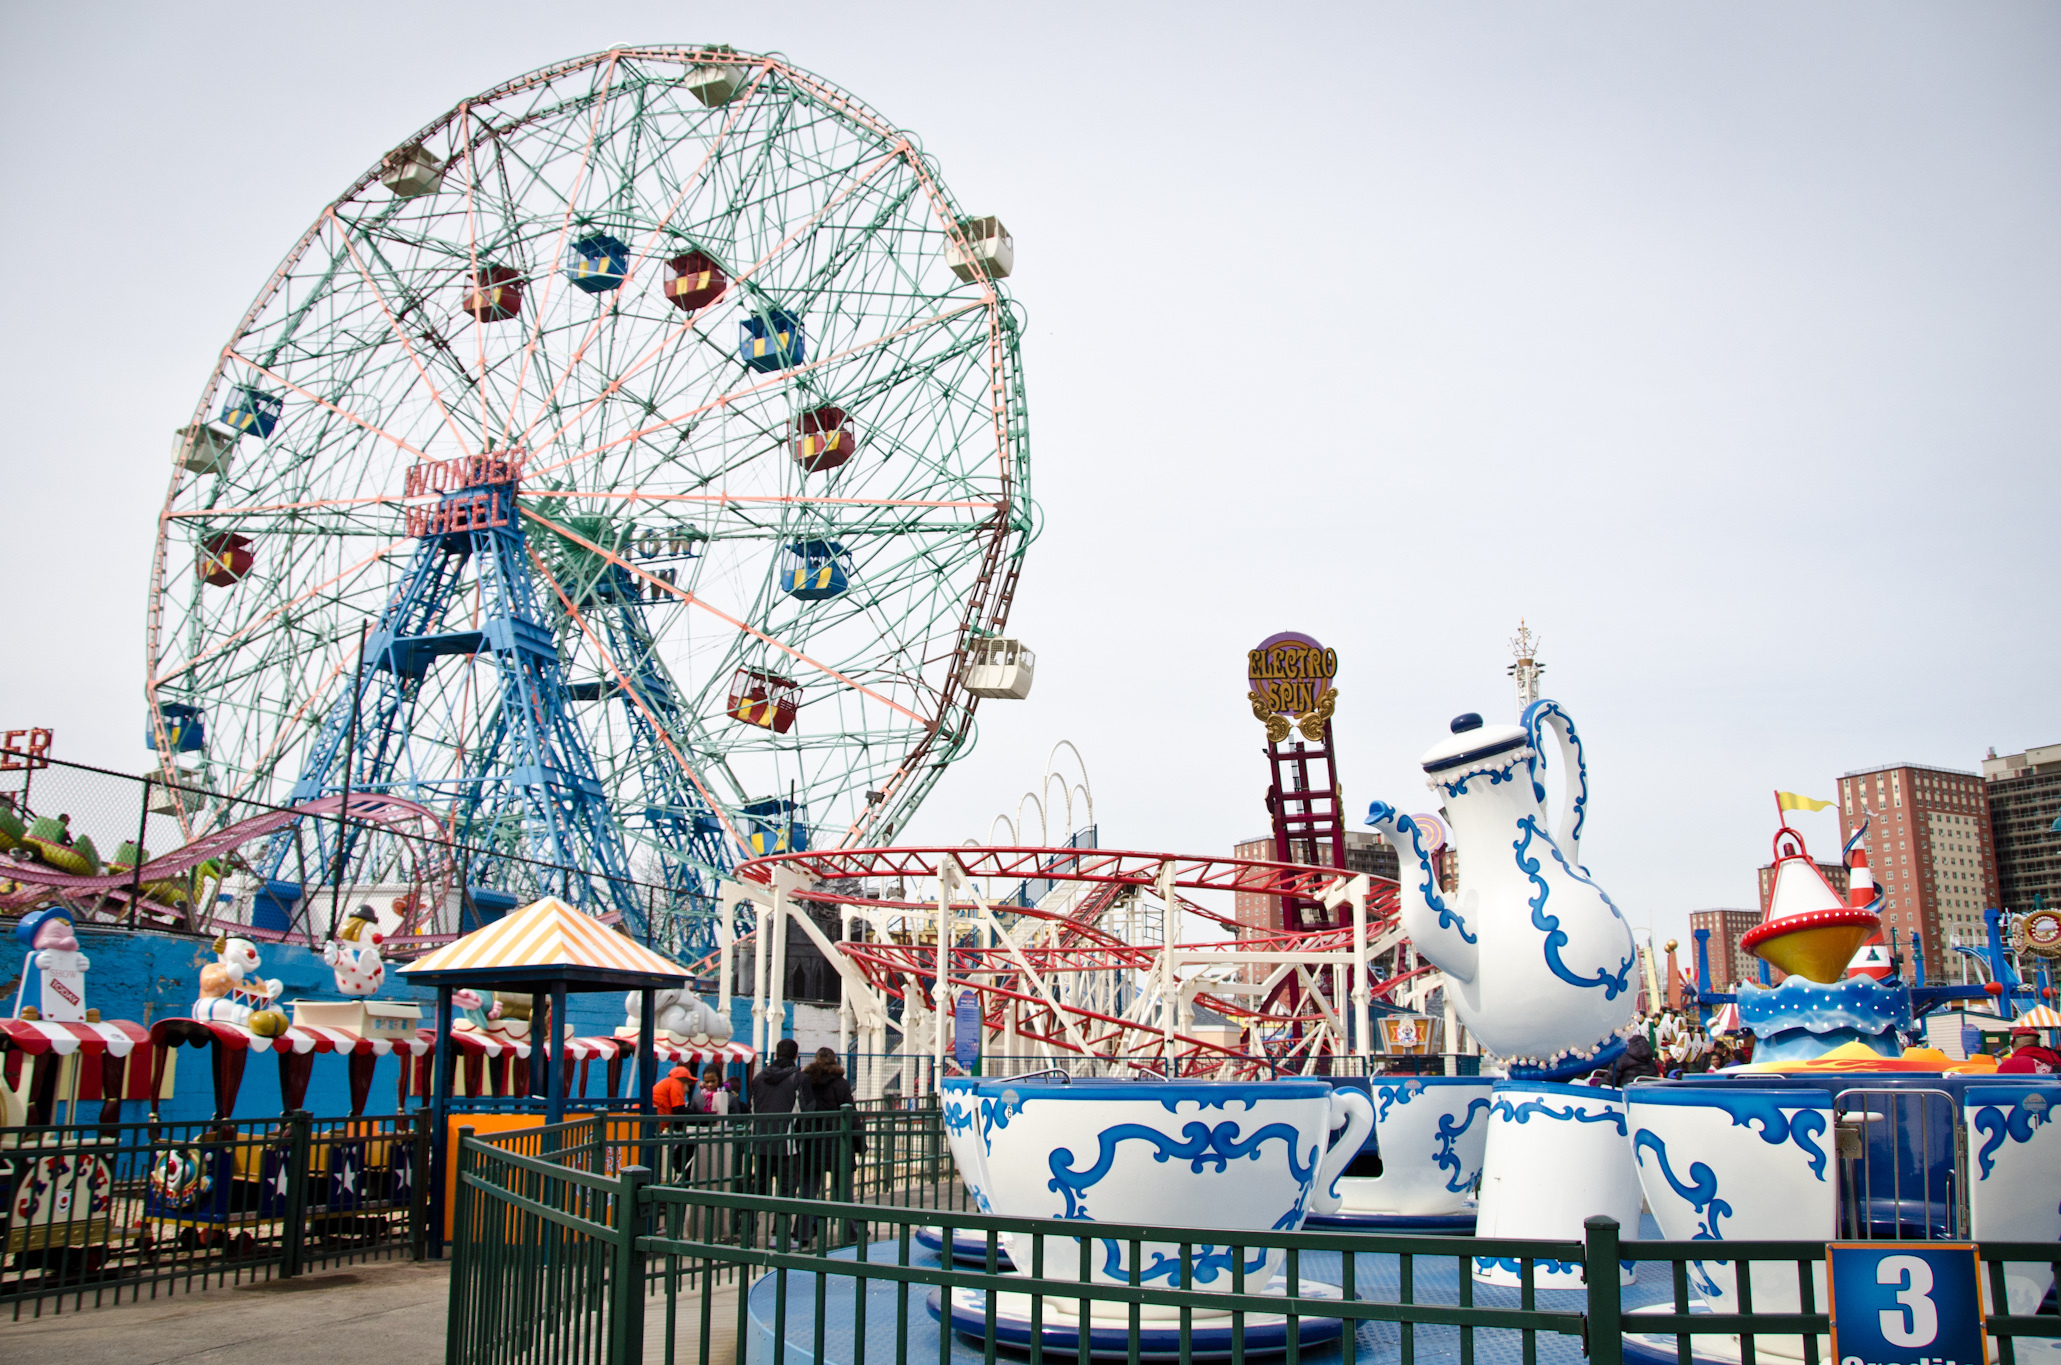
x=772, y=342
x=815, y=570
x=248, y=411
x=597, y=263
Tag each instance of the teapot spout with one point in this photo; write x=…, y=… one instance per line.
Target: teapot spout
x=1437, y=928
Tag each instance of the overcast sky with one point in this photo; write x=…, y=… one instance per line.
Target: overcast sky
x=1717, y=340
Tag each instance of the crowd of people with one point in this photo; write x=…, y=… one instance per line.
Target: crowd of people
x=793, y=1148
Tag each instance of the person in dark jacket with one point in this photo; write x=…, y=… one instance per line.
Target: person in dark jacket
x=1637, y=1060
x=820, y=1098
x=772, y=1101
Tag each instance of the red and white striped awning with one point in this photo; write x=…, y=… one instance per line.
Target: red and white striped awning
x=1726, y=1020
x=298, y=1039
x=697, y=1053
x=476, y=1044
x=117, y=1037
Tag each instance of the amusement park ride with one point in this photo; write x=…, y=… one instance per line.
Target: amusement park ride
x=630, y=470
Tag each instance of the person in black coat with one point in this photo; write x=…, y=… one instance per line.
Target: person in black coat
x=820, y=1099
x=1637, y=1060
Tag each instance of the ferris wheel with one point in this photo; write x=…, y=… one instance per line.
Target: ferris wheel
x=632, y=465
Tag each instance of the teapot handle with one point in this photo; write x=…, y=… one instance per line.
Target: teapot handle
x=1539, y=717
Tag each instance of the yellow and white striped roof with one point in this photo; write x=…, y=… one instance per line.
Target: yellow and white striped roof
x=547, y=934
x=2045, y=1016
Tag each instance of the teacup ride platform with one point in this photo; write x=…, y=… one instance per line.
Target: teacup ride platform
x=1377, y=1277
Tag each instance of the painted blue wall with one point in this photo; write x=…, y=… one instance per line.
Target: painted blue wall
x=145, y=976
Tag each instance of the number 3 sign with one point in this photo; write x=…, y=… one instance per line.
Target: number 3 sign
x=1906, y=1303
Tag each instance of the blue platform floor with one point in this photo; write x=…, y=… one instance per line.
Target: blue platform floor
x=1436, y=1281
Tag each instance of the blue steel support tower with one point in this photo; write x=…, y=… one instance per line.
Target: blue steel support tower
x=527, y=788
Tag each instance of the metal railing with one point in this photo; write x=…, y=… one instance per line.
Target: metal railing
x=99, y=1213
x=570, y=1240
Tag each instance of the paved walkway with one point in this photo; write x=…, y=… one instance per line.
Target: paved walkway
x=391, y=1313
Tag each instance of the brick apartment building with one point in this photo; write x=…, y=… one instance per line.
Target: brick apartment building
x=2024, y=794
x=1931, y=851
x=1729, y=963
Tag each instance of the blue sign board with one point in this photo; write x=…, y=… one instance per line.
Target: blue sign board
x=1906, y=1303
x=966, y=1031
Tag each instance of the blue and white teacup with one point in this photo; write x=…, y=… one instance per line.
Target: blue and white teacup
x=2014, y=1169
x=1557, y=1155
x=1227, y=1156
x=1728, y=1161
x=1429, y=1133
x=966, y=1125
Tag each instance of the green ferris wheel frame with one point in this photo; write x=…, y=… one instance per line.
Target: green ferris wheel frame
x=528, y=277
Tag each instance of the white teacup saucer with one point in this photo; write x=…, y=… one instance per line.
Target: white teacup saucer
x=1209, y=1335
x=1460, y=1224
x=969, y=1246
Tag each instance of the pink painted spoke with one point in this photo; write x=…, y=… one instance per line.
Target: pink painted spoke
x=717, y=612
x=624, y=682
x=572, y=198
x=742, y=101
x=348, y=416
x=436, y=395
x=770, y=382
x=290, y=603
x=771, y=255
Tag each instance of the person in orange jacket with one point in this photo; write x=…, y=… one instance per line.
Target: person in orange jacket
x=669, y=1096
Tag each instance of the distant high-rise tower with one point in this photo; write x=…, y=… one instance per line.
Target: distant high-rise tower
x=1527, y=668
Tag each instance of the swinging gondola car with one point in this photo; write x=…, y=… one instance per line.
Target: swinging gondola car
x=771, y=342
x=764, y=699
x=999, y=667
x=815, y=570
x=989, y=250
x=224, y=560
x=776, y=825
x=410, y=171
x=824, y=439
x=203, y=449
x=493, y=294
x=715, y=84
x=247, y=411
x=597, y=263
x=185, y=728
x=697, y=281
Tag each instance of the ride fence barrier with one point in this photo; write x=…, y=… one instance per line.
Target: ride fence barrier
x=572, y=1245
x=99, y=1213
x=914, y=1073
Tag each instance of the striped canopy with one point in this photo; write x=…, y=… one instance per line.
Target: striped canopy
x=2045, y=1016
x=548, y=941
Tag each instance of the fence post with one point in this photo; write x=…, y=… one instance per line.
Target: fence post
x=418, y=1184
x=298, y=1123
x=1605, y=1334
x=457, y=1330
x=626, y=1314
x=847, y=1153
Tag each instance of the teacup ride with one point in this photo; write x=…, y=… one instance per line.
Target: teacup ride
x=1539, y=965
x=1252, y=1157
x=1841, y=1133
x=1417, y=1170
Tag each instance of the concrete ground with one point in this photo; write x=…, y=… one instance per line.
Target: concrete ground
x=390, y=1312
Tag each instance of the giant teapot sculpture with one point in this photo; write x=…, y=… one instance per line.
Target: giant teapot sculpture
x=1538, y=961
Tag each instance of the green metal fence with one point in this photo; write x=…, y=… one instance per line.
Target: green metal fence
x=96, y=1214
x=569, y=1249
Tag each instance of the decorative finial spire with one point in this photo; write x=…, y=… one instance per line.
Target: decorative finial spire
x=1527, y=668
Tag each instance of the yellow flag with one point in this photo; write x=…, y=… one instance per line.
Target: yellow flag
x=1791, y=801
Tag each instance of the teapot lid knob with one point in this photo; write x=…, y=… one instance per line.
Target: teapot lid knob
x=1470, y=721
